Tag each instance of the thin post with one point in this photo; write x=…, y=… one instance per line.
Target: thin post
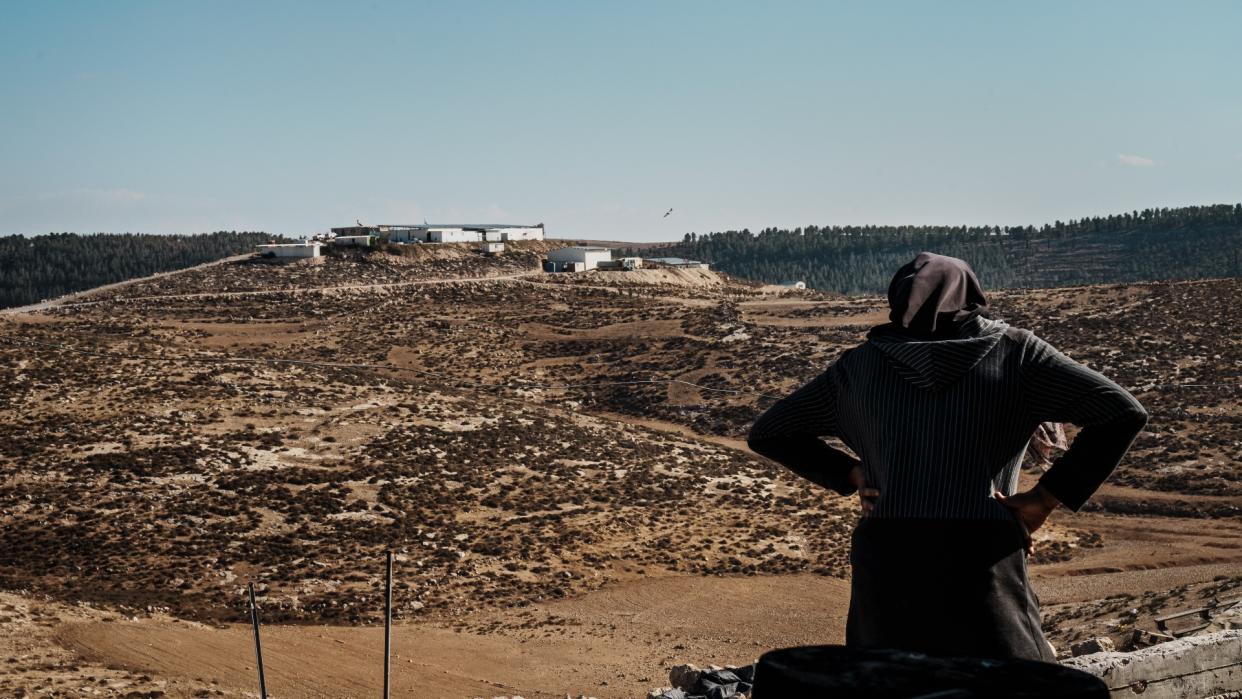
x=387, y=620
x=258, y=647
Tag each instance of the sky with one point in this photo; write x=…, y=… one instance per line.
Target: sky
x=595, y=118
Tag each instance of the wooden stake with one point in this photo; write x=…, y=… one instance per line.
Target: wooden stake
x=258, y=647
x=387, y=621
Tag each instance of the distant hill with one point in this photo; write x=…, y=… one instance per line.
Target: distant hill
x=1150, y=245
x=39, y=267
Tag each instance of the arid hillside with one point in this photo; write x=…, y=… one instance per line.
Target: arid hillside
x=529, y=446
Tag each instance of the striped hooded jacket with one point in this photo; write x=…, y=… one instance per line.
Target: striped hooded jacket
x=941, y=424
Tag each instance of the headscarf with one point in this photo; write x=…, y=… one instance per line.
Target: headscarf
x=934, y=294
x=1048, y=438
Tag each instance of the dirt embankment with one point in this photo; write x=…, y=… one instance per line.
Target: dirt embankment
x=613, y=644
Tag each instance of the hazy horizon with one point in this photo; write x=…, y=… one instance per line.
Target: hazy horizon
x=294, y=117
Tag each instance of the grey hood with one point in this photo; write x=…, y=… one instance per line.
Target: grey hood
x=934, y=365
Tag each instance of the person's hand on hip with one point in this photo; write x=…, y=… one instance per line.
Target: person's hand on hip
x=866, y=496
x=1030, y=507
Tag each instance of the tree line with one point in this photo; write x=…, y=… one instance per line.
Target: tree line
x=45, y=266
x=1149, y=245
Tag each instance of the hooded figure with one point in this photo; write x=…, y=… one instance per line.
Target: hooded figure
x=934, y=291
x=938, y=407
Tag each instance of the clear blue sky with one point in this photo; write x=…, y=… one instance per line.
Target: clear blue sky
x=597, y=117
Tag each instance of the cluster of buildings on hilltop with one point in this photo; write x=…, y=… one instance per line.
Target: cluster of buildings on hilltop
x=491, y=239
x=444, y=233
x=491, y=236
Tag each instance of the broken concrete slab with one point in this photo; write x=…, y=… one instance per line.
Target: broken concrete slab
x=1196, y=666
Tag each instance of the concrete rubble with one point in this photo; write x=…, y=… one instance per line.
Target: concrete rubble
x=1196, y=667
x=1209, y=665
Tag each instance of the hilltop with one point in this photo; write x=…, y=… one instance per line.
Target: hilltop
x=557, y=462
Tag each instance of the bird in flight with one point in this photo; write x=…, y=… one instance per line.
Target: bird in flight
x=666, y=213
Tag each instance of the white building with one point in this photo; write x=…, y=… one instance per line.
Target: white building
x=794, y=284
x=291, y=250
x=492, y=247
x=577, y=259
x=453, y=235
x=509, y=233
x=354, y=240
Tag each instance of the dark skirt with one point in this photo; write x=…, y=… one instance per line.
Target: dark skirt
x=944, y=587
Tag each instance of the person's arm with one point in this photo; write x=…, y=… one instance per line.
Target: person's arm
x=1058, y=389
x=789, y=434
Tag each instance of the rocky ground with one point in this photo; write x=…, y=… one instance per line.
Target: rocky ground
x=523, y=441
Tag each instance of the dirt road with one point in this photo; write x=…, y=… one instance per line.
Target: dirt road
x=65, y=300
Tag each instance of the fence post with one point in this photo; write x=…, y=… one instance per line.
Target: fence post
x=258, y=647
x=387, y=620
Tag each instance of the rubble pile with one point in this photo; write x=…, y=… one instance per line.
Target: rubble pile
x=713, y=682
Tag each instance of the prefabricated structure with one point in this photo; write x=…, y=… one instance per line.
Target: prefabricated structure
x=290, y=250
x=402, y=234
x=360, y=241
x=675, y=262
x=491, y=247
x=578, y=258
x=511, y=233
x=450, y=234
x=794, y=284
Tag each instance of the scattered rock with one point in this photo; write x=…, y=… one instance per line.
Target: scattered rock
x=1102, y=644
x=684, y=676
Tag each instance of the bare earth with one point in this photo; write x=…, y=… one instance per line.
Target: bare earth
x=557, y=462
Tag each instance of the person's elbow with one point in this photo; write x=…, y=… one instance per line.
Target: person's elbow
x=1135, y=417
x=766, y=441
x=1122, y=413
x=760, y=432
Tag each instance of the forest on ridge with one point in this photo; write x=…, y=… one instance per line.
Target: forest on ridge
x=1154, y=244
x=33, y=268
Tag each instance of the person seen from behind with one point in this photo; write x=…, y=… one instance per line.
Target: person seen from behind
x=939, y=405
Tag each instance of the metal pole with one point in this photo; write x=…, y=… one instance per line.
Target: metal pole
x=258, y=647
x=387, y=620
